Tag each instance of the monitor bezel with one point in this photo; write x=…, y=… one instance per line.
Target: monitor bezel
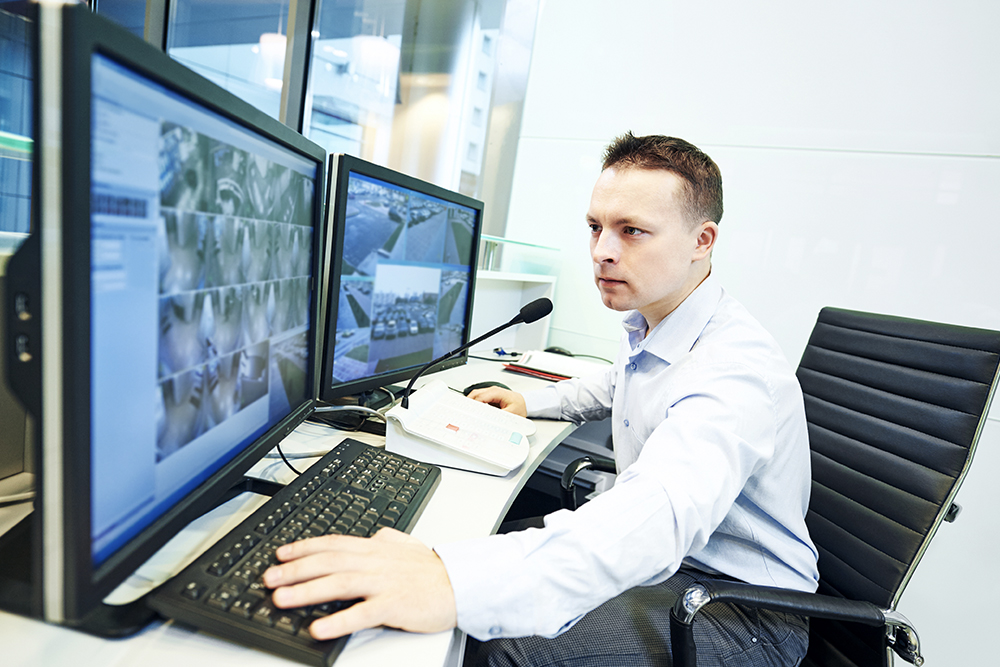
x=84, y=34
x=341, y=167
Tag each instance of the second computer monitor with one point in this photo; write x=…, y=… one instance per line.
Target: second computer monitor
x=401, y=279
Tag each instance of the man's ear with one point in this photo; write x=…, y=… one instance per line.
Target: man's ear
x=708, y=232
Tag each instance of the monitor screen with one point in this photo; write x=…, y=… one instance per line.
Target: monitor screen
x=401, y=277
x=201, y=244
x=177, y=263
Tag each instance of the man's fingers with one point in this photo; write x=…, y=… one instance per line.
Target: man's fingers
x=365, y=614
x=307, y=568
x=487, y=395
x=506, y=399
x=317, y=545
x=393, y=535
x=335, y=586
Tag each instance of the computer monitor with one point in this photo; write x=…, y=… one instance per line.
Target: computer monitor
x=167, y=307
x=401, y=279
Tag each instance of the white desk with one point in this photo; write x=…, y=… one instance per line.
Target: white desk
x=449, y=516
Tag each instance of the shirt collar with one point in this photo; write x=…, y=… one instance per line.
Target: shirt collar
x=679, y=331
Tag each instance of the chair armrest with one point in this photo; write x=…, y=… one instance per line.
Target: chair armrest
x=902, y=637
x=568, y=488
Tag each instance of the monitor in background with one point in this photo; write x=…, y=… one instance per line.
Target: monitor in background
x=175, y=263
x=401, y=279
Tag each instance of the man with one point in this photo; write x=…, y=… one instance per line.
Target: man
x=710, y=442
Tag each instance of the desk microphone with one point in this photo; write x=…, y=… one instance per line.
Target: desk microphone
x=532, y=312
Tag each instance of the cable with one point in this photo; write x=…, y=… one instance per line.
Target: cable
x=287, y=463
x=392, y=399
x=326, y=409
x=502, y=361
x=592, y=356
x=349, y=408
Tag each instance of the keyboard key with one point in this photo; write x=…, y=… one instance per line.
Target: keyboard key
x=245, y=574
x=193, y=590
x=264, y=614
x=218, y=568
x=258, y=589
x=221, y=600
x=287, y=622
x=244, y=606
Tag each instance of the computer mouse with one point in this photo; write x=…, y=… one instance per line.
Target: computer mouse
x=559, y=350
x=483, y=385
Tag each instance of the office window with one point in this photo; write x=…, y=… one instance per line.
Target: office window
x=395, y=82
x=128, y=13
x=353, y=76
x=239, y=45
x=487, y=45
x=15, y=129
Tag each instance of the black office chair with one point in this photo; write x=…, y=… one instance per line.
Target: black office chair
x=895, y=408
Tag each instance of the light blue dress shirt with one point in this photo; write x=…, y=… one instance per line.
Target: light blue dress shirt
x=713, y=458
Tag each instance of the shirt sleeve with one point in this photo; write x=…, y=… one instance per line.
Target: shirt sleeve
x=577, y=400
x=717, y=431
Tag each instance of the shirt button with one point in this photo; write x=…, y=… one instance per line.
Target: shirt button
x=495, y=631
x=626, y=423
x=633, y=366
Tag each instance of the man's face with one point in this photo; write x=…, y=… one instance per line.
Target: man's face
x=646, y=255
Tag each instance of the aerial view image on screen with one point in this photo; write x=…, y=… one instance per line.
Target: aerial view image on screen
x=375, y=221
x=454, y=291
x=388, y=323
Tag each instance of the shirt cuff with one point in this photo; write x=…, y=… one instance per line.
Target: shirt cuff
x=481, y=597
x=543, y=403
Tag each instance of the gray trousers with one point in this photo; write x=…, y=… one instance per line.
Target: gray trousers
x=633, y=629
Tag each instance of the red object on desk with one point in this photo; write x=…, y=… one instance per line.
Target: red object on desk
x=533, y=372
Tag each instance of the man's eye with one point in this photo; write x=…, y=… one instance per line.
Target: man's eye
x=632, y=231
x=594, y=227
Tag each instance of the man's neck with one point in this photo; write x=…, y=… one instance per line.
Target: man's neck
x=695, y=283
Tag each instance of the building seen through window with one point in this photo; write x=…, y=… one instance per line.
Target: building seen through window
x=15, y=129
x=432, y=88
x=238, y=45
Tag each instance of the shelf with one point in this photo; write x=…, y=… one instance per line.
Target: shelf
x=515, y=277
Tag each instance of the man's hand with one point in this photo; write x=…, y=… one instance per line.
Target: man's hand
x=402, y=583
x=505, y=399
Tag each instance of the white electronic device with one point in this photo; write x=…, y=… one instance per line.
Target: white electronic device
x=444, y=427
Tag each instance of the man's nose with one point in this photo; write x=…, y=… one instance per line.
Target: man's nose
x=604, y=249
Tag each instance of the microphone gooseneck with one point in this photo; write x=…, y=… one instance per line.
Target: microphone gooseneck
x=531, y=312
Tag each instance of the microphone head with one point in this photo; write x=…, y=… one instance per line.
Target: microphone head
x=535, y=310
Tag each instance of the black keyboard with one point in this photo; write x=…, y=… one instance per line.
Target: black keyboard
x=354, y=490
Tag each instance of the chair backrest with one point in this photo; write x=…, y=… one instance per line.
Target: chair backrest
x=895, y=407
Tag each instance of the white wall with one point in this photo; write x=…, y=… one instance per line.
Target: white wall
x=860, y=150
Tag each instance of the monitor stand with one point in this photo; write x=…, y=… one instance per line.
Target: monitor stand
x=357, y=421
x=374, y=399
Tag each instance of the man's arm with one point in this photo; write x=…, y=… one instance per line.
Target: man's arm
x=577, y=400
x=402, y=583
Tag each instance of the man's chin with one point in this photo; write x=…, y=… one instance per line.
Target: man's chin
x=612, y=303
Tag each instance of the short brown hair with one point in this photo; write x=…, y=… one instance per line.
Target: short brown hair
x=703, y=180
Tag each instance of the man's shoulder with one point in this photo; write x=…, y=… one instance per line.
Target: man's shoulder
x=734, y=335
